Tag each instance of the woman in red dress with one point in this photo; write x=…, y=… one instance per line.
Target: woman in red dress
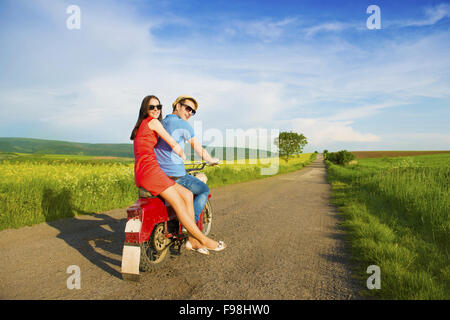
x=148, y=173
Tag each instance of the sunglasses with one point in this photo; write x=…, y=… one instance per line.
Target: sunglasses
x=151, y=107
x=188, y=108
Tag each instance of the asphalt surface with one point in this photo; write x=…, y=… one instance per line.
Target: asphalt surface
x=283, y=237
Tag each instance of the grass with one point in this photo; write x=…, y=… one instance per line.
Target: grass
x=38, y=188
x=234, y=172
x=396, y=216
x=380, y=154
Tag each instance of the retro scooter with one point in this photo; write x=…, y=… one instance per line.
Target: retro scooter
x=153, y=231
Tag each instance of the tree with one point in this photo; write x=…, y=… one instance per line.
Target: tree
x=341, y=157
x=289, y=144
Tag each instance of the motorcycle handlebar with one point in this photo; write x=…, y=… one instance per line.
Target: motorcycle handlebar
x=198, y=166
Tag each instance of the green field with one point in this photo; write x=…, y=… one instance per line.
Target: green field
x=396, y=216
x=35, y=188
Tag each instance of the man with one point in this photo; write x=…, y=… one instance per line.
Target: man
x=177, y=126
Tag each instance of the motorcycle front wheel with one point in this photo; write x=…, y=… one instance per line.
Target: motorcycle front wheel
x=207, y=218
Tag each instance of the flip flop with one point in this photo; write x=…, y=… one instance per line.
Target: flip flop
x=199, y=250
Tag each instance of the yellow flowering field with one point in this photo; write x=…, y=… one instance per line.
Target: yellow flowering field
x=39, y=188
x=33, y=192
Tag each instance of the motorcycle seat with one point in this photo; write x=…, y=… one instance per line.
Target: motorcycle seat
x=144, y=193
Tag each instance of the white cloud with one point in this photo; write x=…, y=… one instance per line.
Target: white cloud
x=266, y=29
x=363, y=111
x=322, y=131
x=432, y=15
x=326, y=27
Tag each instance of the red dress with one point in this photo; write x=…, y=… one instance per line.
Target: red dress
x=147, y=172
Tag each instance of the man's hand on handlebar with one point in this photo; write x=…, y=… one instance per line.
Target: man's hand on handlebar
x=213, y=162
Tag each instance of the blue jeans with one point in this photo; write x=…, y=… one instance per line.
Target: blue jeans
x=200, y=191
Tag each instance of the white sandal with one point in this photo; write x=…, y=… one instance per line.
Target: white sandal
x=219, y=247
x=202, y=250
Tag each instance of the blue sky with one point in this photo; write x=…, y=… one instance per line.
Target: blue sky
x=308, y=66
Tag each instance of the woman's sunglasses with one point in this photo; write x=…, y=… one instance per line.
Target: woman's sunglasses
x=188, y=108
x=151, y=107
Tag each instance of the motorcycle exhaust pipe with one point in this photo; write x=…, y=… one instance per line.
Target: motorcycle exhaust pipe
x=131, y=254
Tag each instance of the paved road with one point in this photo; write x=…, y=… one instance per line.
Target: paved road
x=283, y=243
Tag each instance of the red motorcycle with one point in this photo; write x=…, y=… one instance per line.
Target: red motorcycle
x=152, y=230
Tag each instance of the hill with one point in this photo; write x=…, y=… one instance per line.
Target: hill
x=41, y=146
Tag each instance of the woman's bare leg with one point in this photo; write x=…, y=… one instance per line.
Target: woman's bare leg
x=174, y=198
x=188, y=198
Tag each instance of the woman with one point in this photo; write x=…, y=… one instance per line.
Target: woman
x=149, y=175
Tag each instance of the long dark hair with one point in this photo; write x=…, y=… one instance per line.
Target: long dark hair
x=143, y=114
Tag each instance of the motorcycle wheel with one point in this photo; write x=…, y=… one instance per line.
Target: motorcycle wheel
x=154, y=251
x=207, y=218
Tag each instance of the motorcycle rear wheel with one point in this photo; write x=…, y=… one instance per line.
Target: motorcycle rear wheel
x=152, y=259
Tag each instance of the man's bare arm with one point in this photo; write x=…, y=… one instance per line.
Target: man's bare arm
x=201, y=151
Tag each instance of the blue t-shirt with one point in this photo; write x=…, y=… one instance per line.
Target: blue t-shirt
x=171, y=163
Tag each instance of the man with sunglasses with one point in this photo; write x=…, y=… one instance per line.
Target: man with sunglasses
x=177, y=126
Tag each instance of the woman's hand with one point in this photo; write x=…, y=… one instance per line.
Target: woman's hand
x=155, y=125
x=179, y=151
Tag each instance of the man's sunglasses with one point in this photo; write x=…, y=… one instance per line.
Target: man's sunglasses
x=151, y=107
x=188, y=108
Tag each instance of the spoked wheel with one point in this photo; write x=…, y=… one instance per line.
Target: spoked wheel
x=154, y=251
x=207, y=218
